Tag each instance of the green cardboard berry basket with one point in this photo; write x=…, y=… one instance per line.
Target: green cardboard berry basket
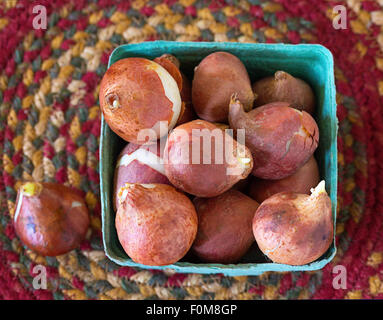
x=313, y=63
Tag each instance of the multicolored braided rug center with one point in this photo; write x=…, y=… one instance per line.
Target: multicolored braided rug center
x=50, y=128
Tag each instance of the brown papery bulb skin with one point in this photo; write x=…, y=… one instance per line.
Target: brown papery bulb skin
x=301, y=181
x=172, y=65
x=224, y=227
x=281, y=138
x=156, y=224
x=139, y=164
x=284, y=87
x=50, y=219
x=186, y=168
x=293, y=228
x=138, y=94
x=216, y=78
x=169, y=57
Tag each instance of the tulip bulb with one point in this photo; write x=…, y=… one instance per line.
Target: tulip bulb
x=293, y=228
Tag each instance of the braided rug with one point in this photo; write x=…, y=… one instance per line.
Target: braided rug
x=50, y=127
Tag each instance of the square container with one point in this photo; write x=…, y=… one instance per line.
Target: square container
x=312, y=63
